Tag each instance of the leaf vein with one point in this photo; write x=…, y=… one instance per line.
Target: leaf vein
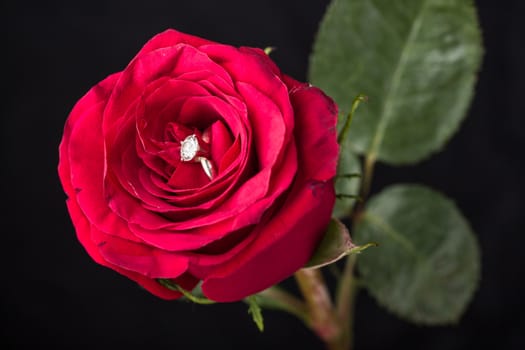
x=393, y=234
x=393, y=86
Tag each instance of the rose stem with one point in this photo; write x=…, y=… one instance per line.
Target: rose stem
x=324, y=320
x=347, y=286
x=345, y=301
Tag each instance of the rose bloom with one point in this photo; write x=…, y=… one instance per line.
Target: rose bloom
x=244, y=212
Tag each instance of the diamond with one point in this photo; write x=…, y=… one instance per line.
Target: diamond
x=189, y=148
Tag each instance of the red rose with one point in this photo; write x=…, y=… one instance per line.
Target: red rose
x=139, y=209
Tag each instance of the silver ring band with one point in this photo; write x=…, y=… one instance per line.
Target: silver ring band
x=207, y=167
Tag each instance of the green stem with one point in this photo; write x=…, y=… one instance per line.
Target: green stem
x=323, y=317
x=368, y=172
x=348, y=284
x=370, y=161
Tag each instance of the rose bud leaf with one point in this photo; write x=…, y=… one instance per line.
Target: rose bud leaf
x=427, y=266
x=193, y=297
x=335, y=245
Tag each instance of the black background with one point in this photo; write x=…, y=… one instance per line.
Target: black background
x=53, y=294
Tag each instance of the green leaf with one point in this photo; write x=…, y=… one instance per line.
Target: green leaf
x=256, y=312
x=416, y=60
x=335, y=245
x=188, y=295
x=427, y=266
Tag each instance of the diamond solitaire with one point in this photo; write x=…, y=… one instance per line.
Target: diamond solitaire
x=189, y=148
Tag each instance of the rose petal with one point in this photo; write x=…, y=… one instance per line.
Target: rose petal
x=95, y=96
x=143, y=259
x=146, y=68
x=270, y=131
x=171, y=37
x=86, y=163
x=290, y=236
x=83, y=230
x=252, y=67
x=188, y=175
x=163, y=105
x=316, y=129
x=221, y=141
